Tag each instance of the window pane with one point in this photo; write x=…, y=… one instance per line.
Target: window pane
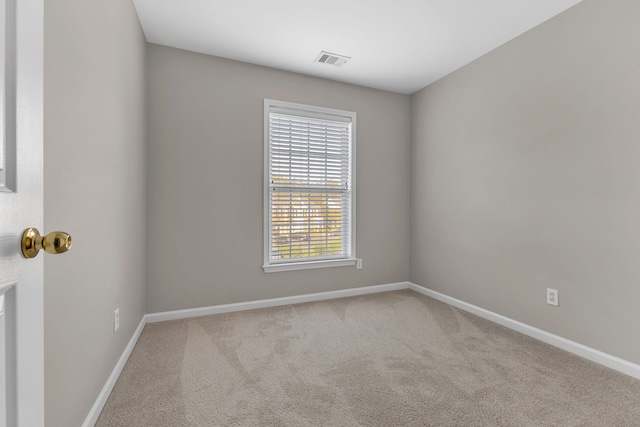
x=308, y=224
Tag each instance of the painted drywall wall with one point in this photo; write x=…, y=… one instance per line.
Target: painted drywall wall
x=525, y=176
x=95, y=179
x=206, y=181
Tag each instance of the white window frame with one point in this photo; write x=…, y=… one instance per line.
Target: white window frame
x=271, y=267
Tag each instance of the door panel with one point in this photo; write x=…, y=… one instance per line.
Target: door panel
x=7, y=356
x=21, y=206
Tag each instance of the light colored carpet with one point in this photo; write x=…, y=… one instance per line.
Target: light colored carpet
x=389, y=359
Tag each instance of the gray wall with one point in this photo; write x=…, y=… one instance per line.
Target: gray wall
x=206, y=181
x=94, y=137
x=526, y=175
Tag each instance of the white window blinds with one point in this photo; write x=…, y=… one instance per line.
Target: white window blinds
x=309, y=186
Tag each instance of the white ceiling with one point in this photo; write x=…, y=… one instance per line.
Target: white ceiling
x=396, y=45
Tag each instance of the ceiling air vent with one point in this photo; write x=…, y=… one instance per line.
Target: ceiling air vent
x=332, y=58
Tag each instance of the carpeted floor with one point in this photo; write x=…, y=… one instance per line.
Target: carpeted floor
x=389, y=359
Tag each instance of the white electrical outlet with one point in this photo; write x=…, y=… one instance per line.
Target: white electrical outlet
x=116, y=319
x=359, y=264
x=552, y=297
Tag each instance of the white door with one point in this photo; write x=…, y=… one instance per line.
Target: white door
x=21, y=206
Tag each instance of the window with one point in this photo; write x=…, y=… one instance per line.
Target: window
x=309, y=187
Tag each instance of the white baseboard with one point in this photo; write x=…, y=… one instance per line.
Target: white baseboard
x=97, y=407
x=275, y=302
x=588, y=353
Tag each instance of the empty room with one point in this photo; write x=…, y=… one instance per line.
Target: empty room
x=336, y=213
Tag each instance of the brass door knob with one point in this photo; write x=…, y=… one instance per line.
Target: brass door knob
x=55, y=242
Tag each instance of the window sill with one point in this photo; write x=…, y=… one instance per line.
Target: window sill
x=308, y=265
